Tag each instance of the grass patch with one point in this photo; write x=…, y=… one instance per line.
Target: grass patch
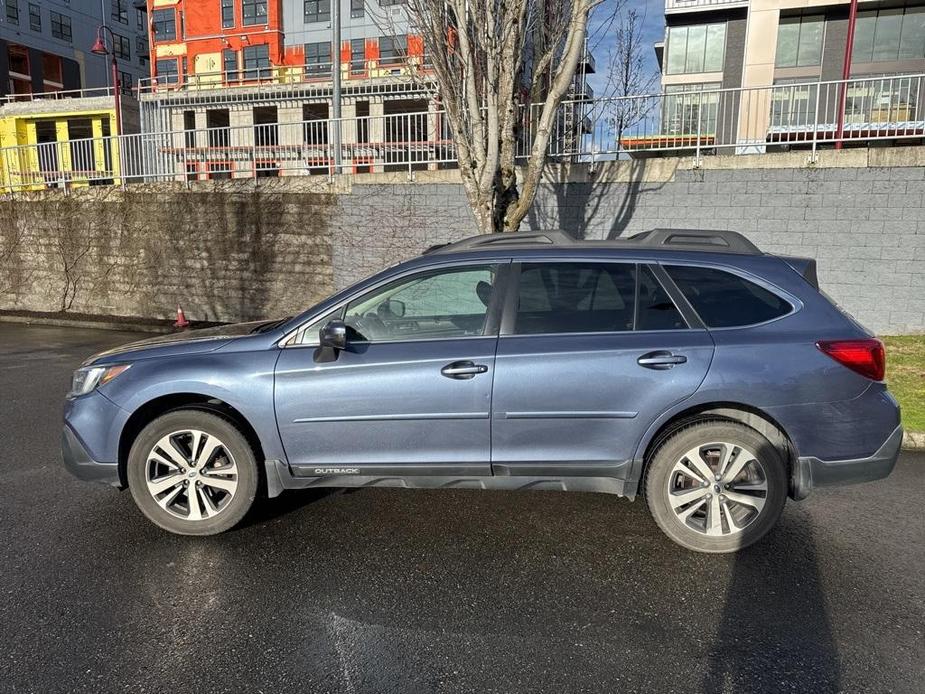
x=905, y=376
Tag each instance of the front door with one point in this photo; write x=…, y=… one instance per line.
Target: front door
x=411, y=393
x=590, y=354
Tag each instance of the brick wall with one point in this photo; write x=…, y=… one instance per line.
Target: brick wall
x=233, y=250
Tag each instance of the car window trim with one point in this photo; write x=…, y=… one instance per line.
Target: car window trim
x=491, y=322
x=509, y=315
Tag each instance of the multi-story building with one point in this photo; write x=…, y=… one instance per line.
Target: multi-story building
x=771, y=51
x=258, y=74
x=45, y=44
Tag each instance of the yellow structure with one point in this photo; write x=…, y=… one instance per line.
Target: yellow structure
x=46, y=143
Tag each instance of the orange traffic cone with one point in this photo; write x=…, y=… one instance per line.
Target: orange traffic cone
x=181, y=319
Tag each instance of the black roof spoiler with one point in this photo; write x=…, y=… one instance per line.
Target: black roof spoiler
x=804, y=267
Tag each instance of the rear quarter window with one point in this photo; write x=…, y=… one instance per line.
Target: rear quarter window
x=725, y=300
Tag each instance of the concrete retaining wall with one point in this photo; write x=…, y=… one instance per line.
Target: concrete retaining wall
x=236, y=250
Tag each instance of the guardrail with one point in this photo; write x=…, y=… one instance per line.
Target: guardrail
x=698, y=123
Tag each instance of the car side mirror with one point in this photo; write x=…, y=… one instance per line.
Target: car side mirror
x=391, y=308
x=333, y=334
x=332, y=338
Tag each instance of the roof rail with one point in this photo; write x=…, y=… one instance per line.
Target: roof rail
x=716, y=241
x=697, y=240
x=544, y=238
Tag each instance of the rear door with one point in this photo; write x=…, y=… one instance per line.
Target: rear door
x=590, y=354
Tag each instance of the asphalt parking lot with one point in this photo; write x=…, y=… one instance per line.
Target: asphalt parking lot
x=434, y=591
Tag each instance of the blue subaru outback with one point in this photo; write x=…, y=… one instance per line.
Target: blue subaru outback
x=684, y=366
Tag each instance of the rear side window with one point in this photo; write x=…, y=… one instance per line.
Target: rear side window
x=725, y=300
x=591, y=297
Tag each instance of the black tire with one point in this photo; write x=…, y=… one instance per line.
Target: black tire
x=234, y=508
x=663, y=482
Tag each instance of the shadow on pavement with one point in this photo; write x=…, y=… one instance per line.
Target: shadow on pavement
x=774, y=625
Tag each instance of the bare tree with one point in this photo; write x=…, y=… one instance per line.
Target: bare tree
x=628, y=75
x=489, y=57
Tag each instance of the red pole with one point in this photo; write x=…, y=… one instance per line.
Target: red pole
x=846, y=73
x=115, y=89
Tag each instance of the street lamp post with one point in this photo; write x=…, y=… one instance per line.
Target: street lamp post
x=99, y=48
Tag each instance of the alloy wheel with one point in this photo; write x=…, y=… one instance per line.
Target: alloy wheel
x=191, y=474
x=717, y=489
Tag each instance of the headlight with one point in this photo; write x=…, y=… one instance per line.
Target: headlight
x=90, y=377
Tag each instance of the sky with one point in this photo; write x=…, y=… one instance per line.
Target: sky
x=600, y=41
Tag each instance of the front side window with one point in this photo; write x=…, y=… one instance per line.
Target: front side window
x=254, y=12
x=799, y=41
x=697, y=48
x=725, y=300
x=442, y=304
x=165, y=25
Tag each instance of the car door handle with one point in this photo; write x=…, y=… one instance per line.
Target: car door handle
x=463, y=369
x=661, y=360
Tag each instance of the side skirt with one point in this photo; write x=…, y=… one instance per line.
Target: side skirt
x=279, y=477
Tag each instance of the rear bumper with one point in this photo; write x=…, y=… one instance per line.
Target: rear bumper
x=810, y=472
x=79, y=463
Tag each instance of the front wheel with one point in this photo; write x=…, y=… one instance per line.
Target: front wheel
x=716, y=486
x=192, y=473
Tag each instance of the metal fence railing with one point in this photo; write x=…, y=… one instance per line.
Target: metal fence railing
x=698, y=122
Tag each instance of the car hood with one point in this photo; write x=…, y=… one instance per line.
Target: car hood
x=186, y=342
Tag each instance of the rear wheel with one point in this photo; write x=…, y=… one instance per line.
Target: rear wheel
x=192, y=473
x=716, y=486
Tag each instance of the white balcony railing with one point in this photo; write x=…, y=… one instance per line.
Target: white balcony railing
x=698, y=123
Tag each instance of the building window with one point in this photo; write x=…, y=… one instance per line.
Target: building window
x=218, y=121
x=122, y=46
x=140, y=19
x=52, y=73
x=799, y=41
x=357, y=54
x=393, y=48
x=142, y=49
x=12, y=11
x=317, y=11
x=35, y=17
x=254, y=12
x=318, y=58
x=256, y=62
x=230, y=65
x=887, y=35
x=61, y=26
x=165, y=25
x=390, y=3
x=698, y=48
x=793, y=105
x=126, y=82
x=690, y=109
x=166, y=71
x=120, y=11
x=357, y=8
x=227, y=14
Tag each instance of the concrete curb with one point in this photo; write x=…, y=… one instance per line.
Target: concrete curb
x=914, y=441
x=99, y=325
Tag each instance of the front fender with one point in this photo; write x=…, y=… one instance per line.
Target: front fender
x=242, y=380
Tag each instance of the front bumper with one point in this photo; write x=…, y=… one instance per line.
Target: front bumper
x=79, y=463
x=810, y=472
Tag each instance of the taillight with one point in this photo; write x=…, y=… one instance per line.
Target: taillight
x=865, y=357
